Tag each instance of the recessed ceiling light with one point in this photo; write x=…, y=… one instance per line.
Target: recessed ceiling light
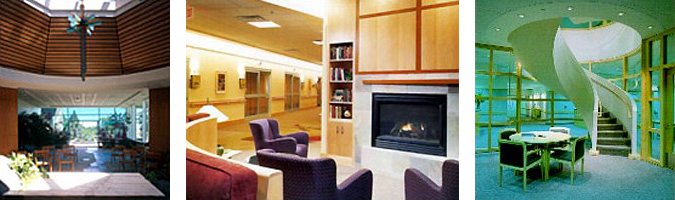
x=650, y=27
x=498, y=29
x=621, y=13
x=521, y=16
x=318, y=42
x=570, y=8
x=265, y=24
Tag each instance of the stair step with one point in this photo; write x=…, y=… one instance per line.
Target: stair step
x=602, y=127
x=612, y=134
x=613, y=141
x=615, y=150
x=606, y=120
x=603, y=114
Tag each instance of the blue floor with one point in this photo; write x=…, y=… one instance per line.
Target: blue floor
x=605, y=177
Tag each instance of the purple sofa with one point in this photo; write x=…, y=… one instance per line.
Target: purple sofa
x=266, y=136
x=213, y=178
x=420, y=187
x=315, y=178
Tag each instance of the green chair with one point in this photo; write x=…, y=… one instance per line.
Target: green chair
x=514, y=155
x=506, y=133
x=578, y=150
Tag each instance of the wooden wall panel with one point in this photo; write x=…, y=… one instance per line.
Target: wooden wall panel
x=421, y=39
x=377, y=6
x=159, y=119
x=22, y=36
x=387, y=43
x=144, y=36
x=63, y=50
x=32, y=41
x=440, y=38
x=9, y=124
x=432, y=2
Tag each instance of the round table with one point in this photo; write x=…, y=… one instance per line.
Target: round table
x=542, y=139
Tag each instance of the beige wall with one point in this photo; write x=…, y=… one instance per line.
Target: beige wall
x=231, y=103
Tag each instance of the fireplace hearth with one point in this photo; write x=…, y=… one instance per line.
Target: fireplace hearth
x=410, y=122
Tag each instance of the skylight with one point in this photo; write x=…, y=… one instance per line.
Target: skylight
x=69, y=5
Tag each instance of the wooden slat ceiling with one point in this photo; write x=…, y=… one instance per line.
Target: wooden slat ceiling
x=136, y=41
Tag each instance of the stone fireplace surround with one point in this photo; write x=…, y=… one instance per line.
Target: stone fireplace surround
x=392, y=162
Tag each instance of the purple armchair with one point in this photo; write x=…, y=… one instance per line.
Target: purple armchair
x=315, y=178
x=418, y=186
x=266, y=136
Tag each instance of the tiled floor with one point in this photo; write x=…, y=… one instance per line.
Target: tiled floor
x=232, y=137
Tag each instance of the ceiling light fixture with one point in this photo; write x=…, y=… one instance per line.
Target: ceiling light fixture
x=570, y=8
x=521, y=16
x=650, y=27
x=498, y=29
x=265, y=24
x=318, y=42
x=621, y=13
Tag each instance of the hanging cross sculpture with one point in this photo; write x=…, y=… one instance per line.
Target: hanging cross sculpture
x=84, y=26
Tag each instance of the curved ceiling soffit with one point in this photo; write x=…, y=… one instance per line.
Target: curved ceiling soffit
x=508, y=22
x=600, y=44
x=156, y=78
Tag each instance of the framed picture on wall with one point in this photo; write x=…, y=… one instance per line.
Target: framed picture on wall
x=220, y=82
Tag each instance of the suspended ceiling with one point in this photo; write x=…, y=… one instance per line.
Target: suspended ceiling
x=56, y=99
x=496, y=19
x=294, y=37
x=34, y=42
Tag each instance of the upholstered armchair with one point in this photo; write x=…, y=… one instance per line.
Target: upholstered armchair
x=315, y=178
x=266, y=136
x=419, y=187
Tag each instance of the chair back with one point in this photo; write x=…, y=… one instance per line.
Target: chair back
x=450, y=184
x=48, y=147
x=563, y=130
x=264, y=129
x=512, y=153
x=579, y=148
x=66, y=154
x=504, y=134
x=303, y=178
x=42, y=154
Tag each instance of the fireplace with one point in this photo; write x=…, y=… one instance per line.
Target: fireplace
x=410, y=122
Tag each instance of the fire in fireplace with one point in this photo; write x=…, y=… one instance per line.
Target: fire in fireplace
x=410, y=122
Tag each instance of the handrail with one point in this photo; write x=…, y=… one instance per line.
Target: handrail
x=616, y=91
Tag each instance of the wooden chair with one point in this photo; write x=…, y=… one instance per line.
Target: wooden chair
x=514, y=155
x=139, y=156
x=43, y=158
x=572, y=157
x=152, y=160
x=117, y=152
x=128, y=158
x=66, y=157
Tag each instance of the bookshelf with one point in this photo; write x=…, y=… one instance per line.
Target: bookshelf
x=341, y=81
x=339, y=74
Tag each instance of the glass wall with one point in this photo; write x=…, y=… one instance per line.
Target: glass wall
x=660, y=65
x=90, y=125
x=508, y=97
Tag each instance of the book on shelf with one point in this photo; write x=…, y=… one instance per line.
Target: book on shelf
x=340, y=74
x=342, y=95
x=341, y=52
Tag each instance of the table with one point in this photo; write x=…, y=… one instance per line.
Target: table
x=542, y=139
x=88, y=185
